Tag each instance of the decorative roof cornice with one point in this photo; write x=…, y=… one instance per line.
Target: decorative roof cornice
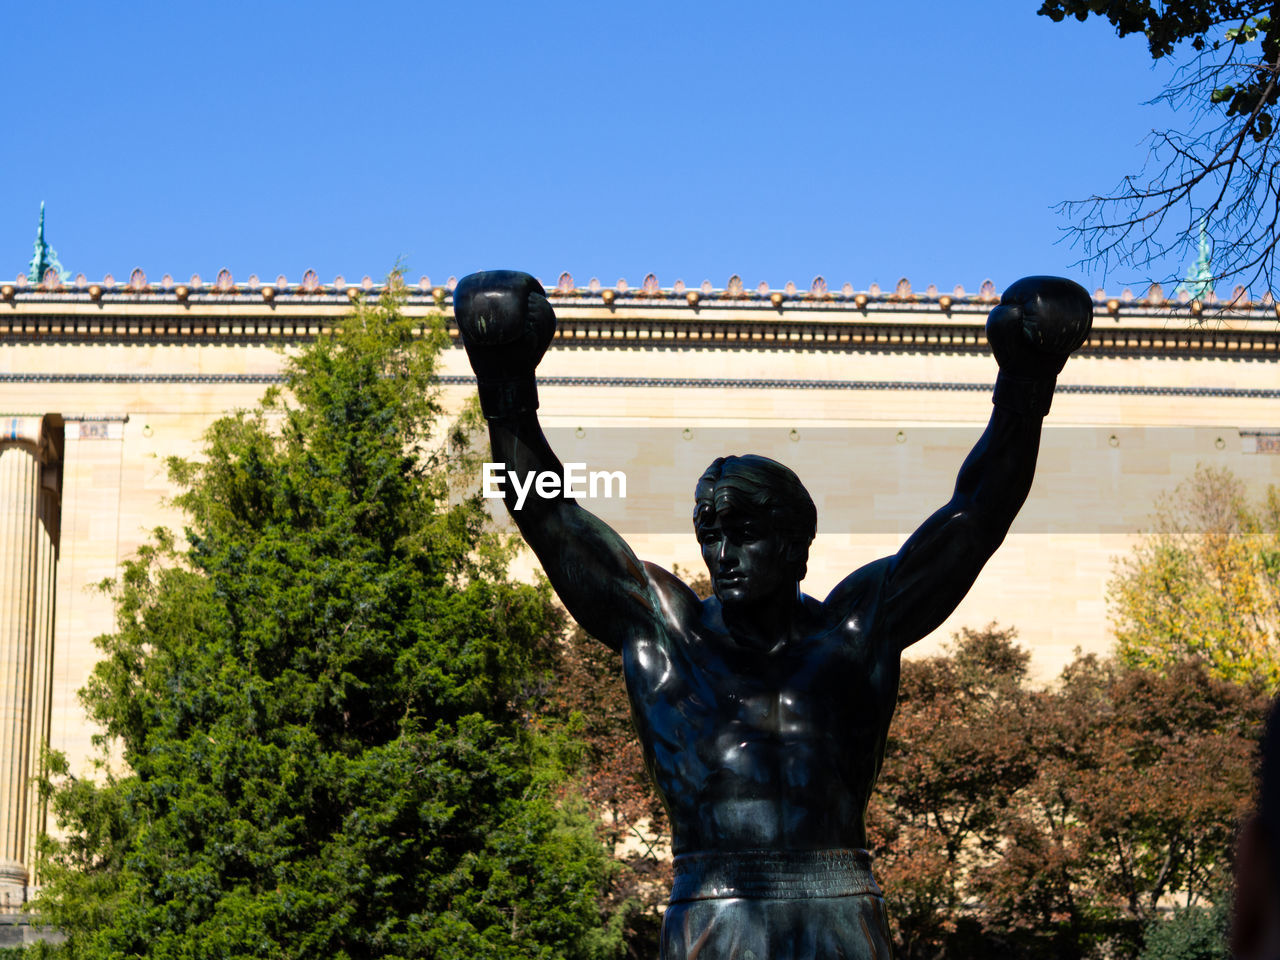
x=647, y=316
x=310, y=288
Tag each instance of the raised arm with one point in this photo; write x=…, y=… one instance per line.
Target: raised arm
x=1039, y=323
x=506, y=323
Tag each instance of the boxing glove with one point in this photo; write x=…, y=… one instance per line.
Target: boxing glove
x=506, y=323
x=1039, y=323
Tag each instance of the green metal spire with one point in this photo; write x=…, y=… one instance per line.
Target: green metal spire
x=44, y=257
x=1199, y=282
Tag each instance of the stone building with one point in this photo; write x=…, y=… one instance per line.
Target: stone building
x=873, y=397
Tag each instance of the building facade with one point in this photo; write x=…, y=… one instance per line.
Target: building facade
x=873, y=397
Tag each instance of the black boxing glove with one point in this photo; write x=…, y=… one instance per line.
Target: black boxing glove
x=506, y=323
x=1040, y=322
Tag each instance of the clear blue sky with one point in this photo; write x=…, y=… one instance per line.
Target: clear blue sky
x=863, y=142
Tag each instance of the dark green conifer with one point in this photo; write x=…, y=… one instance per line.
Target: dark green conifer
x=321, y=695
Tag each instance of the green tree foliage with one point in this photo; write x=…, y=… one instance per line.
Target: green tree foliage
x=1017, y=821
x=1205, y=583
x=1197, y=933
x=322, y=701
x=1220, y=168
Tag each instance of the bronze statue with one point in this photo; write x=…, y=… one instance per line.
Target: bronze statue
x=763, y=712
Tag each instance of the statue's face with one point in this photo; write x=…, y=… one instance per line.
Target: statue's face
x=745, y=558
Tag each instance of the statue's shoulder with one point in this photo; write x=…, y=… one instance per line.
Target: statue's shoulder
x=859, y=592
x=678, y=603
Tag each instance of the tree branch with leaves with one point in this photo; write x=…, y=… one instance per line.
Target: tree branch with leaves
x=1219, y=173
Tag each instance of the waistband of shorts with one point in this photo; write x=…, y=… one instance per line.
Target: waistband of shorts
x=773, y=874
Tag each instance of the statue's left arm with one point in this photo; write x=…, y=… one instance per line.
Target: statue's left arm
x=1039, y=322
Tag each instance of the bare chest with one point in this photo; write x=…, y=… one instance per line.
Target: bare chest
x=755, y=750
x=706, y=697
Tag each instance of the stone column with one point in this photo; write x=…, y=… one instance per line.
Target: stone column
x=30, y=450
x=49, y=514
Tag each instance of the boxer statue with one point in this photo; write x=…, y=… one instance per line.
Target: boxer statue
x=763, y=712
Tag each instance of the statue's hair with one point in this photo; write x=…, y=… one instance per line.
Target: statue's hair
x=762, y=488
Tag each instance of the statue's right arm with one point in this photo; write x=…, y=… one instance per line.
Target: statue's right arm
x=596, y=575
x=506, y=323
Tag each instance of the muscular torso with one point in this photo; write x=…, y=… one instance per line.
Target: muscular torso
x=756, y=750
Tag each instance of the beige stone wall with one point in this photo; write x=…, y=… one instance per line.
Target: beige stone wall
x=1089, y=499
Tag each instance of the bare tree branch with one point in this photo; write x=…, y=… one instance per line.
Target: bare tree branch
x=1219, y=173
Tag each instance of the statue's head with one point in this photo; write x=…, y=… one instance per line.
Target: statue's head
x=755, y=521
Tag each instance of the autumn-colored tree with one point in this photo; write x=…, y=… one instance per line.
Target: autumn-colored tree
x=1012, y=821
x=1142, y=778
x=955, y=761
x=1205, y=583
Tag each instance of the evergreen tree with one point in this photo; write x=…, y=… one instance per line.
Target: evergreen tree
x=322, y=700
x=1194, y=933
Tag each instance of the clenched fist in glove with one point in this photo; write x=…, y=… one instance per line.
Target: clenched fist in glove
x=1039, y=323
x=506, y=323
